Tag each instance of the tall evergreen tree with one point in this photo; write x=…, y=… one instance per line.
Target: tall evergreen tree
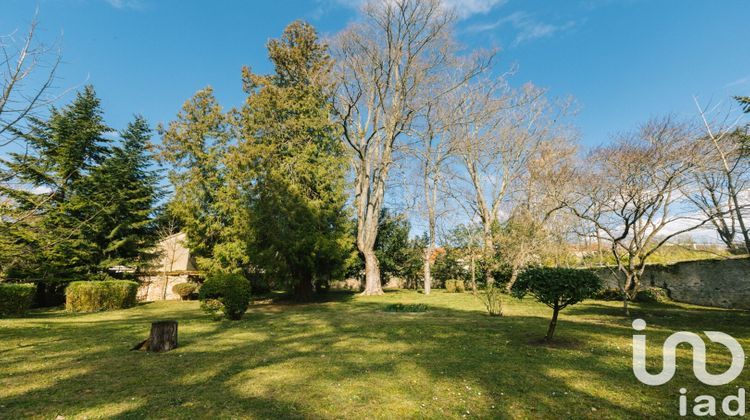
x=194, y=145
x=127, y=232
x=292, y=166
x=54, y=218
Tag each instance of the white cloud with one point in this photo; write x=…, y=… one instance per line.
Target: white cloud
x=739, y=82
x=527, y=27
x=464, y=8
x=125, y=4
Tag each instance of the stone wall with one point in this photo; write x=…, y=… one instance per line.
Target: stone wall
x=719, y=283
x=153, y=287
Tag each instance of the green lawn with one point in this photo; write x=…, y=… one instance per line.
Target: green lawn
x=350, y=358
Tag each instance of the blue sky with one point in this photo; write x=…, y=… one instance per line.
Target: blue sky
x=623, y=61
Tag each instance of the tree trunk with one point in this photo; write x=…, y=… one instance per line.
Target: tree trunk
x=512, y=280
x=164, y=288
x=372, y=275
x=163, y=336
x=552, y=324
x=303, y=290
x=473, y=275
x=427, y=273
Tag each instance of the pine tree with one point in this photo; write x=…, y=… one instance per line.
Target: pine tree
x=292, y=165
x=127, y=181
x=53, y=221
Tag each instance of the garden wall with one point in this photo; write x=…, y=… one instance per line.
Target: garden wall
x=153, y=287
x=719, y=283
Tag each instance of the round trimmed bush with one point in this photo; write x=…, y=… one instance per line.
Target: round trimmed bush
x=557, y=288
x=232, y=290
x=184, y=290
x=652, y=295
x=16, y=298
x=93, y=296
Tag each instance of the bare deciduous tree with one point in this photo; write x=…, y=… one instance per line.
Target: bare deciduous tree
x=536, y=227
x=723, y=177
x=631, y=191
x=502, y=131
x=383, y=64
x=433, y=148
x=28, y=70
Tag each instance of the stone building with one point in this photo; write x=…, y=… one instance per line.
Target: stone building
x=175, y=265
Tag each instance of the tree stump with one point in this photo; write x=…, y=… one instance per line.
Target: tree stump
x=163, y=337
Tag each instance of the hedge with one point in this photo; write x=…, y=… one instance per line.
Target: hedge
x=92, y=296
x=16, y=298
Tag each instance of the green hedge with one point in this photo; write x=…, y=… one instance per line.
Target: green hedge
x=92, y=296
x=16, y=298
x=232, y=290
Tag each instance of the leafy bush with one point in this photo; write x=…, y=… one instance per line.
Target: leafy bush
x=184, y=289
x=652, y=295
x=214, y=308
x=557, y=288
x=448, y=266
x=492, y=299
x=15, y=299
x=411, y=307
x=455, y=286
x=232, y=290
x=92, y=296
x=609, y=295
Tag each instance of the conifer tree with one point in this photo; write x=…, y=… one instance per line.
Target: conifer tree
x=54, y=220
x=194, y=145
x=293, y=166
x=127, y=232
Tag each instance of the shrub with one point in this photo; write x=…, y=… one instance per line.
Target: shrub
x=214, y=308
x=232, y=290
x=184, y=289
x=557, y=288
x=410, y=307
x=15, y=299
x=450, y=286
x=492, y=299
x=652, y=295
x=609, y=295
x=455, y=286
x=92, y=296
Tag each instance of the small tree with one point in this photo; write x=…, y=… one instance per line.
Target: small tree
x=557, y=288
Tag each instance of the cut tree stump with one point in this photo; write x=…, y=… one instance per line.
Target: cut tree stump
x=163, y=337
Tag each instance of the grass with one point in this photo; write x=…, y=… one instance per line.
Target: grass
x=349, y=358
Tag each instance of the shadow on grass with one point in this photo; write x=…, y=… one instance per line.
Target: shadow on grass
x=342, y=357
